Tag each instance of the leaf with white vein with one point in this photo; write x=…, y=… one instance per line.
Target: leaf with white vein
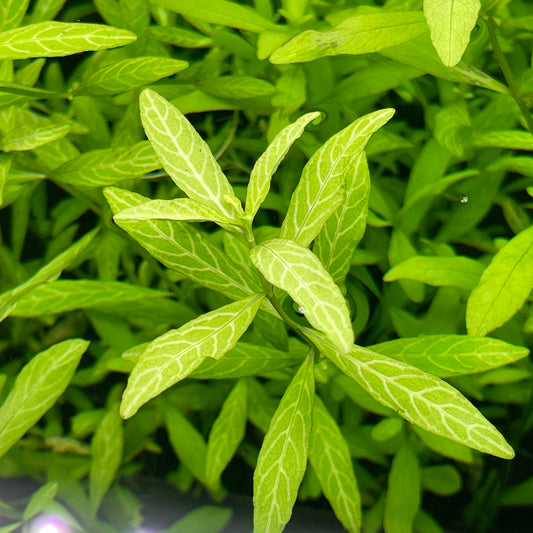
x=269, y=161
x=12, y=12
x=504, y=286
x=450, y=23
x=173, y=356
x=56, y=39
x=29, y=137
x=38, y=385
x=320, y=189
x=186, y=156
x=451, y=355
x=342, y=232
x=283, y=457
x=300, y=273
x=419, y=397
x=330, y=457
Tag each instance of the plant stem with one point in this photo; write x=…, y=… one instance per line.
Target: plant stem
x=508, y=75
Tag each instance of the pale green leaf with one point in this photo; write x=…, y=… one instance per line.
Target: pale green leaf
x=184, y=38
x=205, y=519
x=29, y=137
x=183, y=248
x=38, y=385
x=504, y=286
x=11, y=13
x=269, y=161
x=108, y=166
x=283, y=457
x=237, y=87
x=219, y=12
x=173, y=356
x=5, y=166
x=342, y=232
x=56, y=39
x=446, y=447
x=227, y=432
x=320, y=189
x=129, y=74
x=362, y=34
x=330, y=457
x=45, y=10
x=403, y=492
x=451, y=355
x=106, y=455
x=185, y=155
x=450, y=23
x=46, y=274
x=419, y=397
x=40, y=500
x=438, y=271
x=298, y=271
x=511, y=139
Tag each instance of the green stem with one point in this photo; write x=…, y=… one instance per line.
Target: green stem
x=508, y=75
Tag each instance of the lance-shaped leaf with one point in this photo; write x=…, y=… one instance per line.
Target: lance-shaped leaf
x=38, y=385
x=451, y=355
x=269, y=161
x=183, y=248
x=129, y=74
x=283, y=457
x=5, y=166
x=330, y=456
x=227, y=432
x=450, y=23
x=504, y=286
x=106, y=455
x=438, y=271
x=108, y=166
x=56, y=39
x=511, y=139
x=185, y=155
x=173, y=356
x=342, y=232
x=420, y=398
x=320, y=189
x=46, y=274
x=29, y=137
x=362, y=34
x=12, y=12
x=300, y=273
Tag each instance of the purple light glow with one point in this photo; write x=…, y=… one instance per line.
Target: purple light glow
x=50, y=524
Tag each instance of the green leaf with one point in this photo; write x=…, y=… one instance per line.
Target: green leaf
x=5, y=166
x=511, y=139
x=342, y=232
x=46, y=274
x=38, y=385
x=444, y=480
x=173, y=356
x=11, y=13
x=205, y=519
x=298, y=271
x=185, y=155
x=181, y=37
x=504, y=286
x=106, y=456
x=129, y=74
x=40, y=500
x=450, y=23
x=268, y=162
x=362, y=34
x=451, y=355
x=420, y=398
x=438, y=271
x=403, y=493
x=219, y=12
x=283, y=457
x=29, y=137
x=330, y=457
x=226, y=433
x=320, y=189
x=181, y=247
x=56, y=39
x=237, y=87
x=108, y=166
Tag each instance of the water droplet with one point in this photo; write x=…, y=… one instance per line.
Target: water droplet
x=464, y=199
x=301, y=310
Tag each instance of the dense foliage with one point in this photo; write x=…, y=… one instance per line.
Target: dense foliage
x=284, y=246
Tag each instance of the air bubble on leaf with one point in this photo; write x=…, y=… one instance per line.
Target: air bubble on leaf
x=301, y=310
x=464, y=199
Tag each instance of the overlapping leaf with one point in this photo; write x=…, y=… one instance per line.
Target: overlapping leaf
x=283, y=457
x=420, y=398
x=451, y=355
x=174, y=355
x=298, y=271
x=38, y=385
x=29, y=137
x=321, y=187
x=56, y=39
x=12, y=12
x=504, y=286
x=185, y=155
